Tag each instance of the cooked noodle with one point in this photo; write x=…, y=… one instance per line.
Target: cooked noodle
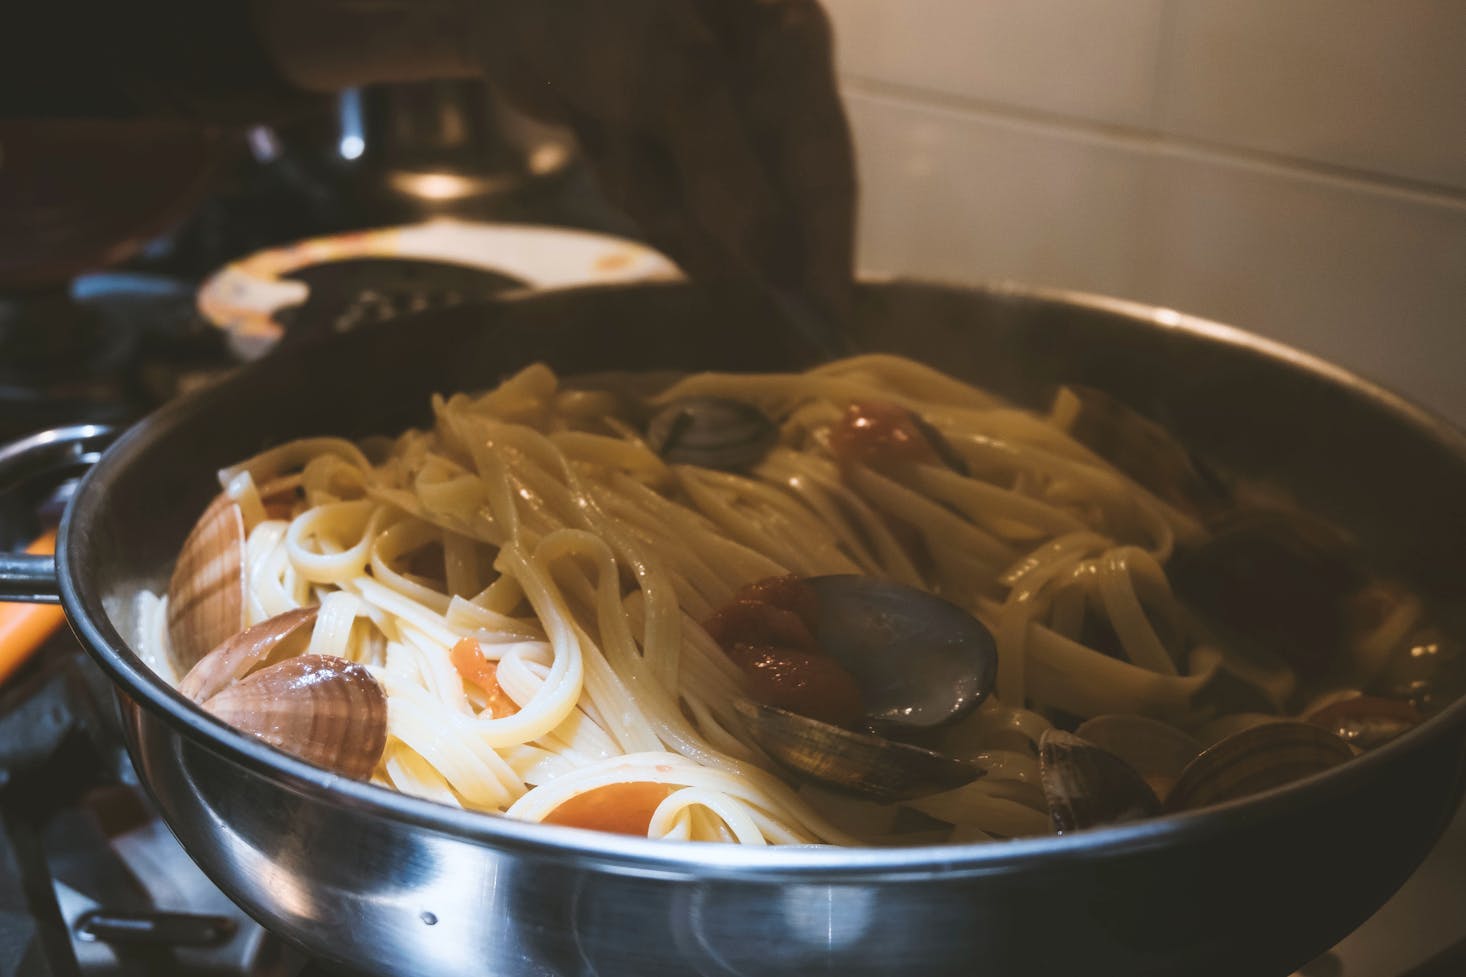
x=529, y=519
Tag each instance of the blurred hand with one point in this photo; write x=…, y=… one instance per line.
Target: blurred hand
x=714, y=124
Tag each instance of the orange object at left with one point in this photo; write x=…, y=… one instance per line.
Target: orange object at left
x=25, y=627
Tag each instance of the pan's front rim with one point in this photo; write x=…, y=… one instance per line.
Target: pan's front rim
x=643, y=857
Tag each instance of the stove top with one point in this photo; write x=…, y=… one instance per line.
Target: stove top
x=91, y=881
x=105, y=348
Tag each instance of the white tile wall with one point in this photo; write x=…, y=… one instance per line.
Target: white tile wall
x=1297, y=168
x=1367, y=276
x=1091, y=59
x=1371, y=85
x=1294, y=167
x=953, y=195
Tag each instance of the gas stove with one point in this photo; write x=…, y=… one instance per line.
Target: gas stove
x=92, y=884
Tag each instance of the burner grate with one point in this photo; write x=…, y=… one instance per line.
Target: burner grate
x=92, y=884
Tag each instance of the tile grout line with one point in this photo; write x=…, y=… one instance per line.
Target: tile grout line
x=1147, y=217
x=1160, y=107
x=1139, y=137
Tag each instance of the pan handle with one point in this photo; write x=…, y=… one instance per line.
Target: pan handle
x=29, y=578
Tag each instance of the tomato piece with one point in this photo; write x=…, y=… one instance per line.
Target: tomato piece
x=790, y=592
x=468, y=658
x=812, y=685
x=743, y=655
x=768, y=632
x=752, y=623
x=879, y=435
x=280, y=509
x=622, y=808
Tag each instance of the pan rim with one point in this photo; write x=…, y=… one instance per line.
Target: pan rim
x=135, y=681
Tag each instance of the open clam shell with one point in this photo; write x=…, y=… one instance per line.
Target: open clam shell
x=1212, y=732
x=1158, y=751
x=1141, y=448
x=238, y=654
x=1087, y=786
x=920, y=661
x=206, y=591
x=323, y=709
x=714, y=432
x=1257, y=759
x=856, y=763
x=1275, y=581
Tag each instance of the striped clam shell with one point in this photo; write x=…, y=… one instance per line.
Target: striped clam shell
x=239, y=654
x=1158, y=751
x=206, y=591
x=1255, y=760
x=323, y=709
x=1087, y=786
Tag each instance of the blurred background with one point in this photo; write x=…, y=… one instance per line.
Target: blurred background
x=1297, y=169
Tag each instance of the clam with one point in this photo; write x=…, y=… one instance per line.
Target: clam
x=713, y=432
x=1087, y=786
x=1255, y=760
x=1210, y=733
x=238, y=654
x=920, y=661
x=325, y=710
x=858, y=763
x=1366, y=721
x=1140, y=448
x=206, y=591
x=1158, y=751
x=1278, y=582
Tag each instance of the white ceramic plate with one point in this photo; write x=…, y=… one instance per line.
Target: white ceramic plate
x=243, y=297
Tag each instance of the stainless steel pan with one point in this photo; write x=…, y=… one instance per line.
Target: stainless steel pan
x=382, y=882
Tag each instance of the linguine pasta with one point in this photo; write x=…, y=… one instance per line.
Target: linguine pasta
x=528, y=580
